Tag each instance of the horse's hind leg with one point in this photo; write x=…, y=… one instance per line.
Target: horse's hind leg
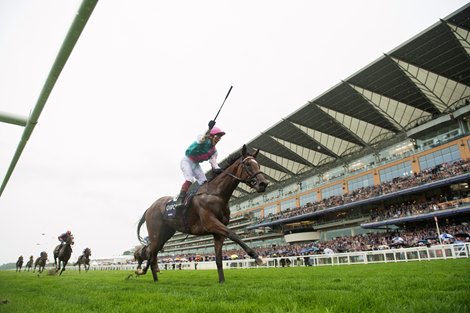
x=218, y=243
x=153, y=262
x=163, y=236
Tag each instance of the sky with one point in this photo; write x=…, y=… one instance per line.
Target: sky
x=142, y=83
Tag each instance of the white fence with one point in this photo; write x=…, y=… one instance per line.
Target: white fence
x=438, y=252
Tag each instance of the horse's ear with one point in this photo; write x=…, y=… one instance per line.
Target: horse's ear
x=256, y=153
x=244, y=151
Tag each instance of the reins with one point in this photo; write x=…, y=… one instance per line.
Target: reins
x=250, y=181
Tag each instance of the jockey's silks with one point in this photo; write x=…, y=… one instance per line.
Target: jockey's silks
x=199, y=152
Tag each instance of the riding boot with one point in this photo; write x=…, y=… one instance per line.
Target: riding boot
x=180, y=200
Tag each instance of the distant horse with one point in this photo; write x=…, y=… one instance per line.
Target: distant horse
x=19, y=264
x=40, y=262
x=62, y=254
x=84, y=259
x=208, y=212
x=29, y=264
x=141, y=254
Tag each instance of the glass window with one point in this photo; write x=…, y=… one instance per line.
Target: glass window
x=309, y=183
x=446, y=155
x=288, y=204
x=311, y=197
x=360, y=182
x=335, y=190
x=399, y=170
x=269, y=210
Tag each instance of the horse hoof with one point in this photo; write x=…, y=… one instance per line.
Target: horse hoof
x=260, y=261
x=139, y=272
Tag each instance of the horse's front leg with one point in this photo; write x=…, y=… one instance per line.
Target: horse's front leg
x=63, y=268
x=218, y=243
x=220, y=229
x=251, y=252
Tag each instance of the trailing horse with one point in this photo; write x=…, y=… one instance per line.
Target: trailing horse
x=62, y=254
x=40, y=262
x=29, y=264
x=84, y=260
x=141, y=254
x=208, y=212
x=19, y=264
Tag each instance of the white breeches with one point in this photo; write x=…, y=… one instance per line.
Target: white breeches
x=192, y=171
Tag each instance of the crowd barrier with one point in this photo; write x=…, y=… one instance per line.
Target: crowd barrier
x=437, y=252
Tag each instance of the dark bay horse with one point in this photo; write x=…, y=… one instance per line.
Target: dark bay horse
x=29, y=264
x=40, y=262
x=84, y=260
x=141, y=254
x=62, y=254
x=208, y=212
x=19, y=264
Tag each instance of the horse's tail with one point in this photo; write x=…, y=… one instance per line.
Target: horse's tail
x=141, y=222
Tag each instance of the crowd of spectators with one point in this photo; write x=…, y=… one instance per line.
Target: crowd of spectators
x=439, y=172
x=368, y=241
x=407, y=209
x=415, y=237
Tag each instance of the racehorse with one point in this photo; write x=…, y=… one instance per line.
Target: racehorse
x=84, y=259
x=141, y=254
x=62, y=253
x=40, y=262
x=208, y=212
x=19, y=264
x=29, y=264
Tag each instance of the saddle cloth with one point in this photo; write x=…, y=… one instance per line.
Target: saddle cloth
x=170, y=207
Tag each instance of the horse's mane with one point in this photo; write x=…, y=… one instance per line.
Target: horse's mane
x=226, y=164
x=232, y=159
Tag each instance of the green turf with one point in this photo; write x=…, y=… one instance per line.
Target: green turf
x=428, y=286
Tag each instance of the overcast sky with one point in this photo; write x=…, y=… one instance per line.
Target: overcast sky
x=143, y=81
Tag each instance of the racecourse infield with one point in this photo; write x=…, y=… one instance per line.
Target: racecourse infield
x=428, y=286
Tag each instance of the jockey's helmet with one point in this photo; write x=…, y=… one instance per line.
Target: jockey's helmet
x=215, y=131
x=68, y=232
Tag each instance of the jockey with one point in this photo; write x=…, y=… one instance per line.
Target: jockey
x=63, y=238
x=203, y=149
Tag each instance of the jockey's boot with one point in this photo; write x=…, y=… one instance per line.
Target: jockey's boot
x=180, y=200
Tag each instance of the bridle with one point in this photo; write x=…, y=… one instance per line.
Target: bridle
x=251, y=180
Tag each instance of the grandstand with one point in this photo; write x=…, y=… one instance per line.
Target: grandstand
x=385, y=150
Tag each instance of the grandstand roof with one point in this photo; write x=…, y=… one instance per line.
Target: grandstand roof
x=423, y=79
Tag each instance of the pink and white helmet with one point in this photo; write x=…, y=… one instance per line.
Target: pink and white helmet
x=215, y=131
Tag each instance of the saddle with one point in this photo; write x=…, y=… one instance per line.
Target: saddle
x=171, y=210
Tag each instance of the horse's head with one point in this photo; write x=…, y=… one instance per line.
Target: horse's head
x=69, y=240
x=248, y=171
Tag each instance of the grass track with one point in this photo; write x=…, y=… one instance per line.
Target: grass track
x=428, y=286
